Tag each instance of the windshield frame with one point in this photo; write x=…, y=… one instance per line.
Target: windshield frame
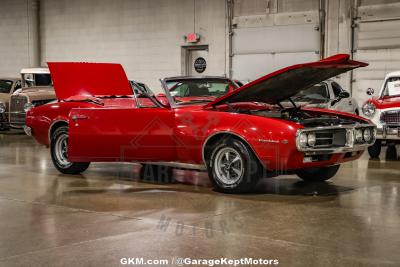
x=147, y=92
x=174, y=104
x=385, y=88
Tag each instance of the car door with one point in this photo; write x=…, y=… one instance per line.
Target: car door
x=127, y=133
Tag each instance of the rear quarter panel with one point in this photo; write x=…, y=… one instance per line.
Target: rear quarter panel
x=41, y=118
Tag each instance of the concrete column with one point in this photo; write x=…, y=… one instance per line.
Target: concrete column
x=33, y=11
x=338, y=33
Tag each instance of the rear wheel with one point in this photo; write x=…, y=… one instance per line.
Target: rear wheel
x=59, y=153
x=375, y=150
x=233, y=167
x=318, y=174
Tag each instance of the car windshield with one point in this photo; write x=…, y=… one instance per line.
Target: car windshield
x=392, y=87
x=32, y=79
x=318, y=92
x=198, y=89
x=5, y=86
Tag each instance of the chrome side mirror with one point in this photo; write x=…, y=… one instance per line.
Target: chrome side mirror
x=370, y=91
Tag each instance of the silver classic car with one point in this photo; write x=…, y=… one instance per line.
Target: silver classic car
x=330, y=95
x=36, y=90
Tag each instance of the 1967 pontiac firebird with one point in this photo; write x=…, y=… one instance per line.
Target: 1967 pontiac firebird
x=237, y=137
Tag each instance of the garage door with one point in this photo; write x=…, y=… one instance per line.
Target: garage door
x=261, y=50
x=376, y=41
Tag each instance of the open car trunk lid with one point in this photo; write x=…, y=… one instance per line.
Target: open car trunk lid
x=88, y=79
x=282, y=84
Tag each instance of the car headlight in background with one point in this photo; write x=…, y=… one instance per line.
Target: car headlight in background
x=369, y=109
x=2, y=108
x=28, y=106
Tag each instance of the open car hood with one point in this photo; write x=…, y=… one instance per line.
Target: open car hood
x=282, y=84
x=88, y=79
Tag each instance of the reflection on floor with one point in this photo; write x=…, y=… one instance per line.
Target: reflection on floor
x=49, y=219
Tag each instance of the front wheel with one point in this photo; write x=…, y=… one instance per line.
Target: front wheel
x=59, y=153
x=318, y=174
x=233, y=167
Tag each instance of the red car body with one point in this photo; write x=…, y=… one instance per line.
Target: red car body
x=107, y=123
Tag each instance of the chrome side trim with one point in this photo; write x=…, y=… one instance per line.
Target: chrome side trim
x=227, y=132
x=181, y=165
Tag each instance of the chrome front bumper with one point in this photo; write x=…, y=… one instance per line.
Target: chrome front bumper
x=28, y=130
x=390, y=133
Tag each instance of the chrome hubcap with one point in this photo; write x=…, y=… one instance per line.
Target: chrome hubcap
x=61, y=151
x=228, y=166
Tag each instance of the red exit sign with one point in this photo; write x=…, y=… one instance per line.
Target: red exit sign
x=192, y=37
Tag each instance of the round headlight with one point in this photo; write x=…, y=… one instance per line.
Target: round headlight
x=2, y=108
x=28, y=106
x=369, y=109
x=303, y=140
x=311, y=139
x=367, y=135
x=359, y=135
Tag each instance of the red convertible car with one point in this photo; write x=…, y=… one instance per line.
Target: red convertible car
x=238, y=137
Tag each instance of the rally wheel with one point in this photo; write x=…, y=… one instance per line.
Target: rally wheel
x=59, y=153
x=233, y=167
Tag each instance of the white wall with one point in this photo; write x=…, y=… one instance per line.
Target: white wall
x=14, y=44
x=144, y=36
x=270, y=35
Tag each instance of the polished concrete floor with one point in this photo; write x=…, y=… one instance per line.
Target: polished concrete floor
x=49, y=219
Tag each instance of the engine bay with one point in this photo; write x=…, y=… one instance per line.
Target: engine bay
x=305, y=117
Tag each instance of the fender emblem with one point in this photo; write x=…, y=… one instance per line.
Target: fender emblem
x=268, y=141
x=273, y=141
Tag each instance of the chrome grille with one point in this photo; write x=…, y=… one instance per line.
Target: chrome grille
x=391, y=117
x=330, y=138
x=17, y=113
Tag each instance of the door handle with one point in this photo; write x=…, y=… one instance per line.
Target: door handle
x=79, y=117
